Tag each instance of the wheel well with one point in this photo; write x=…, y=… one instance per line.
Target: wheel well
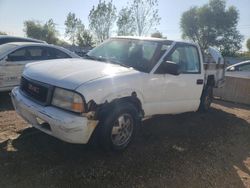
x=133, y=99
x=210, y=80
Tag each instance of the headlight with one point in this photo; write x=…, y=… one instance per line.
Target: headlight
x=68, y=100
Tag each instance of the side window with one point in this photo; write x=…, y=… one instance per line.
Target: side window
x=60, y=55
x=37, y=53
x=187, y=57
x=148, y=50
x=245, y=67
x=19, y=55
x=56, y=54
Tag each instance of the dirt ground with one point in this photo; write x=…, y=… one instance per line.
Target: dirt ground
x=186, y=150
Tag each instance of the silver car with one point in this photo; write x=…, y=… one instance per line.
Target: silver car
x=14, y=56
x=241, y=70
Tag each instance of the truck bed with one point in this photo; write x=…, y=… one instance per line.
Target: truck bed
x=214, y=66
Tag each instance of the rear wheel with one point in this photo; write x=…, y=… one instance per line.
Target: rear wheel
x=206, y=99
x=118, y=128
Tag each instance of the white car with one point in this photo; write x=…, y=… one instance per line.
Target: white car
x=122, y=81
x=14, y=56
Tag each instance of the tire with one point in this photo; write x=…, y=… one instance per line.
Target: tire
x=118, y=128
x=206, y=99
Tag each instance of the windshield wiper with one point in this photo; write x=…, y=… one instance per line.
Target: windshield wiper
x=96, y=58
x=117, y=62
x=90, y=57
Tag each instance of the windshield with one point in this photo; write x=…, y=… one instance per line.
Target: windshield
x=5, y=48
x=139, y=54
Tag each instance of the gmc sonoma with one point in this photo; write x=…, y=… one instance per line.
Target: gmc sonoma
x=118, y=84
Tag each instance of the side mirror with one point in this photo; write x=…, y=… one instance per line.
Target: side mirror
x=168, y=67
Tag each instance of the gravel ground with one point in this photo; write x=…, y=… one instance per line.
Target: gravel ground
x=186, y=150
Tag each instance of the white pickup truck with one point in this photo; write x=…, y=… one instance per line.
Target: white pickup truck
x=119, y=83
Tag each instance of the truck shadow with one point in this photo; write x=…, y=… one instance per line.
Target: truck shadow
x=186, y=150
x=5, y=101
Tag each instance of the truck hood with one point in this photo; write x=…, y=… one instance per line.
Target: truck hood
x=71, y=73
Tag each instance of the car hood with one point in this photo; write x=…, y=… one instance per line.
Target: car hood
x=71, y=73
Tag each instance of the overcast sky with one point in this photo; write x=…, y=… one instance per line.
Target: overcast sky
x=14, y=12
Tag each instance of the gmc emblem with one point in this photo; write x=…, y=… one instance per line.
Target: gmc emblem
x=33, y=88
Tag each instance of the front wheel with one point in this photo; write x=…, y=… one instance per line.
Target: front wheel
x=206, y=99
x=118, y=128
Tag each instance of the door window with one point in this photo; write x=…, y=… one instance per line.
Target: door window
x=28, y=54
x=187, y=57
x=245, y=67
x=18, y=55
x=37, y=53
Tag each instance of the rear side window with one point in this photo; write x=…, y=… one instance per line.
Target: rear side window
x=193, y=62
x=56, y=54
x=187, y=57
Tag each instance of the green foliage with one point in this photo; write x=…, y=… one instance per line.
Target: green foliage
x=84, y=38
x=213, y=25
x=248, y=44
x=46, y=32
x=145, y=14
x=101, y=19
x=157, y=34
x=72, y=26
x=50, y=32
x=2, y=33
x=76, y=32
x=62, y=43
x=126, y=22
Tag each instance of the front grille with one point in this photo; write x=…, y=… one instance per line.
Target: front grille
x=35, y=90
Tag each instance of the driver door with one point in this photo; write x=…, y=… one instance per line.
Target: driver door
x=181, y=93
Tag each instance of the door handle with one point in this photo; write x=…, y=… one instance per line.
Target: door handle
x=199, y=82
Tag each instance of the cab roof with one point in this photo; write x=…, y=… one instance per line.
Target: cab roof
x=140, y=38
x=152, y=39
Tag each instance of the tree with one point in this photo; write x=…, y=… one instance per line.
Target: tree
x=248, y=44
x=72, y=24
x=84, y=37
x=101, y=19
x=2, y=33
x=126, y=22
x=145, y=14
x=157, y=34
x=213, y=25
x=46, y=32
x=50, y=32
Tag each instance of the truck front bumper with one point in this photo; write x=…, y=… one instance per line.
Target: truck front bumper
x=63, y=125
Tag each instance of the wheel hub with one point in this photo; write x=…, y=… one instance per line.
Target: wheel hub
x=122, y=129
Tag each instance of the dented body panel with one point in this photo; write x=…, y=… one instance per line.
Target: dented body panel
x=65, y=126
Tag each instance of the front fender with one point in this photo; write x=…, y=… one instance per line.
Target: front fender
x=121, y=94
